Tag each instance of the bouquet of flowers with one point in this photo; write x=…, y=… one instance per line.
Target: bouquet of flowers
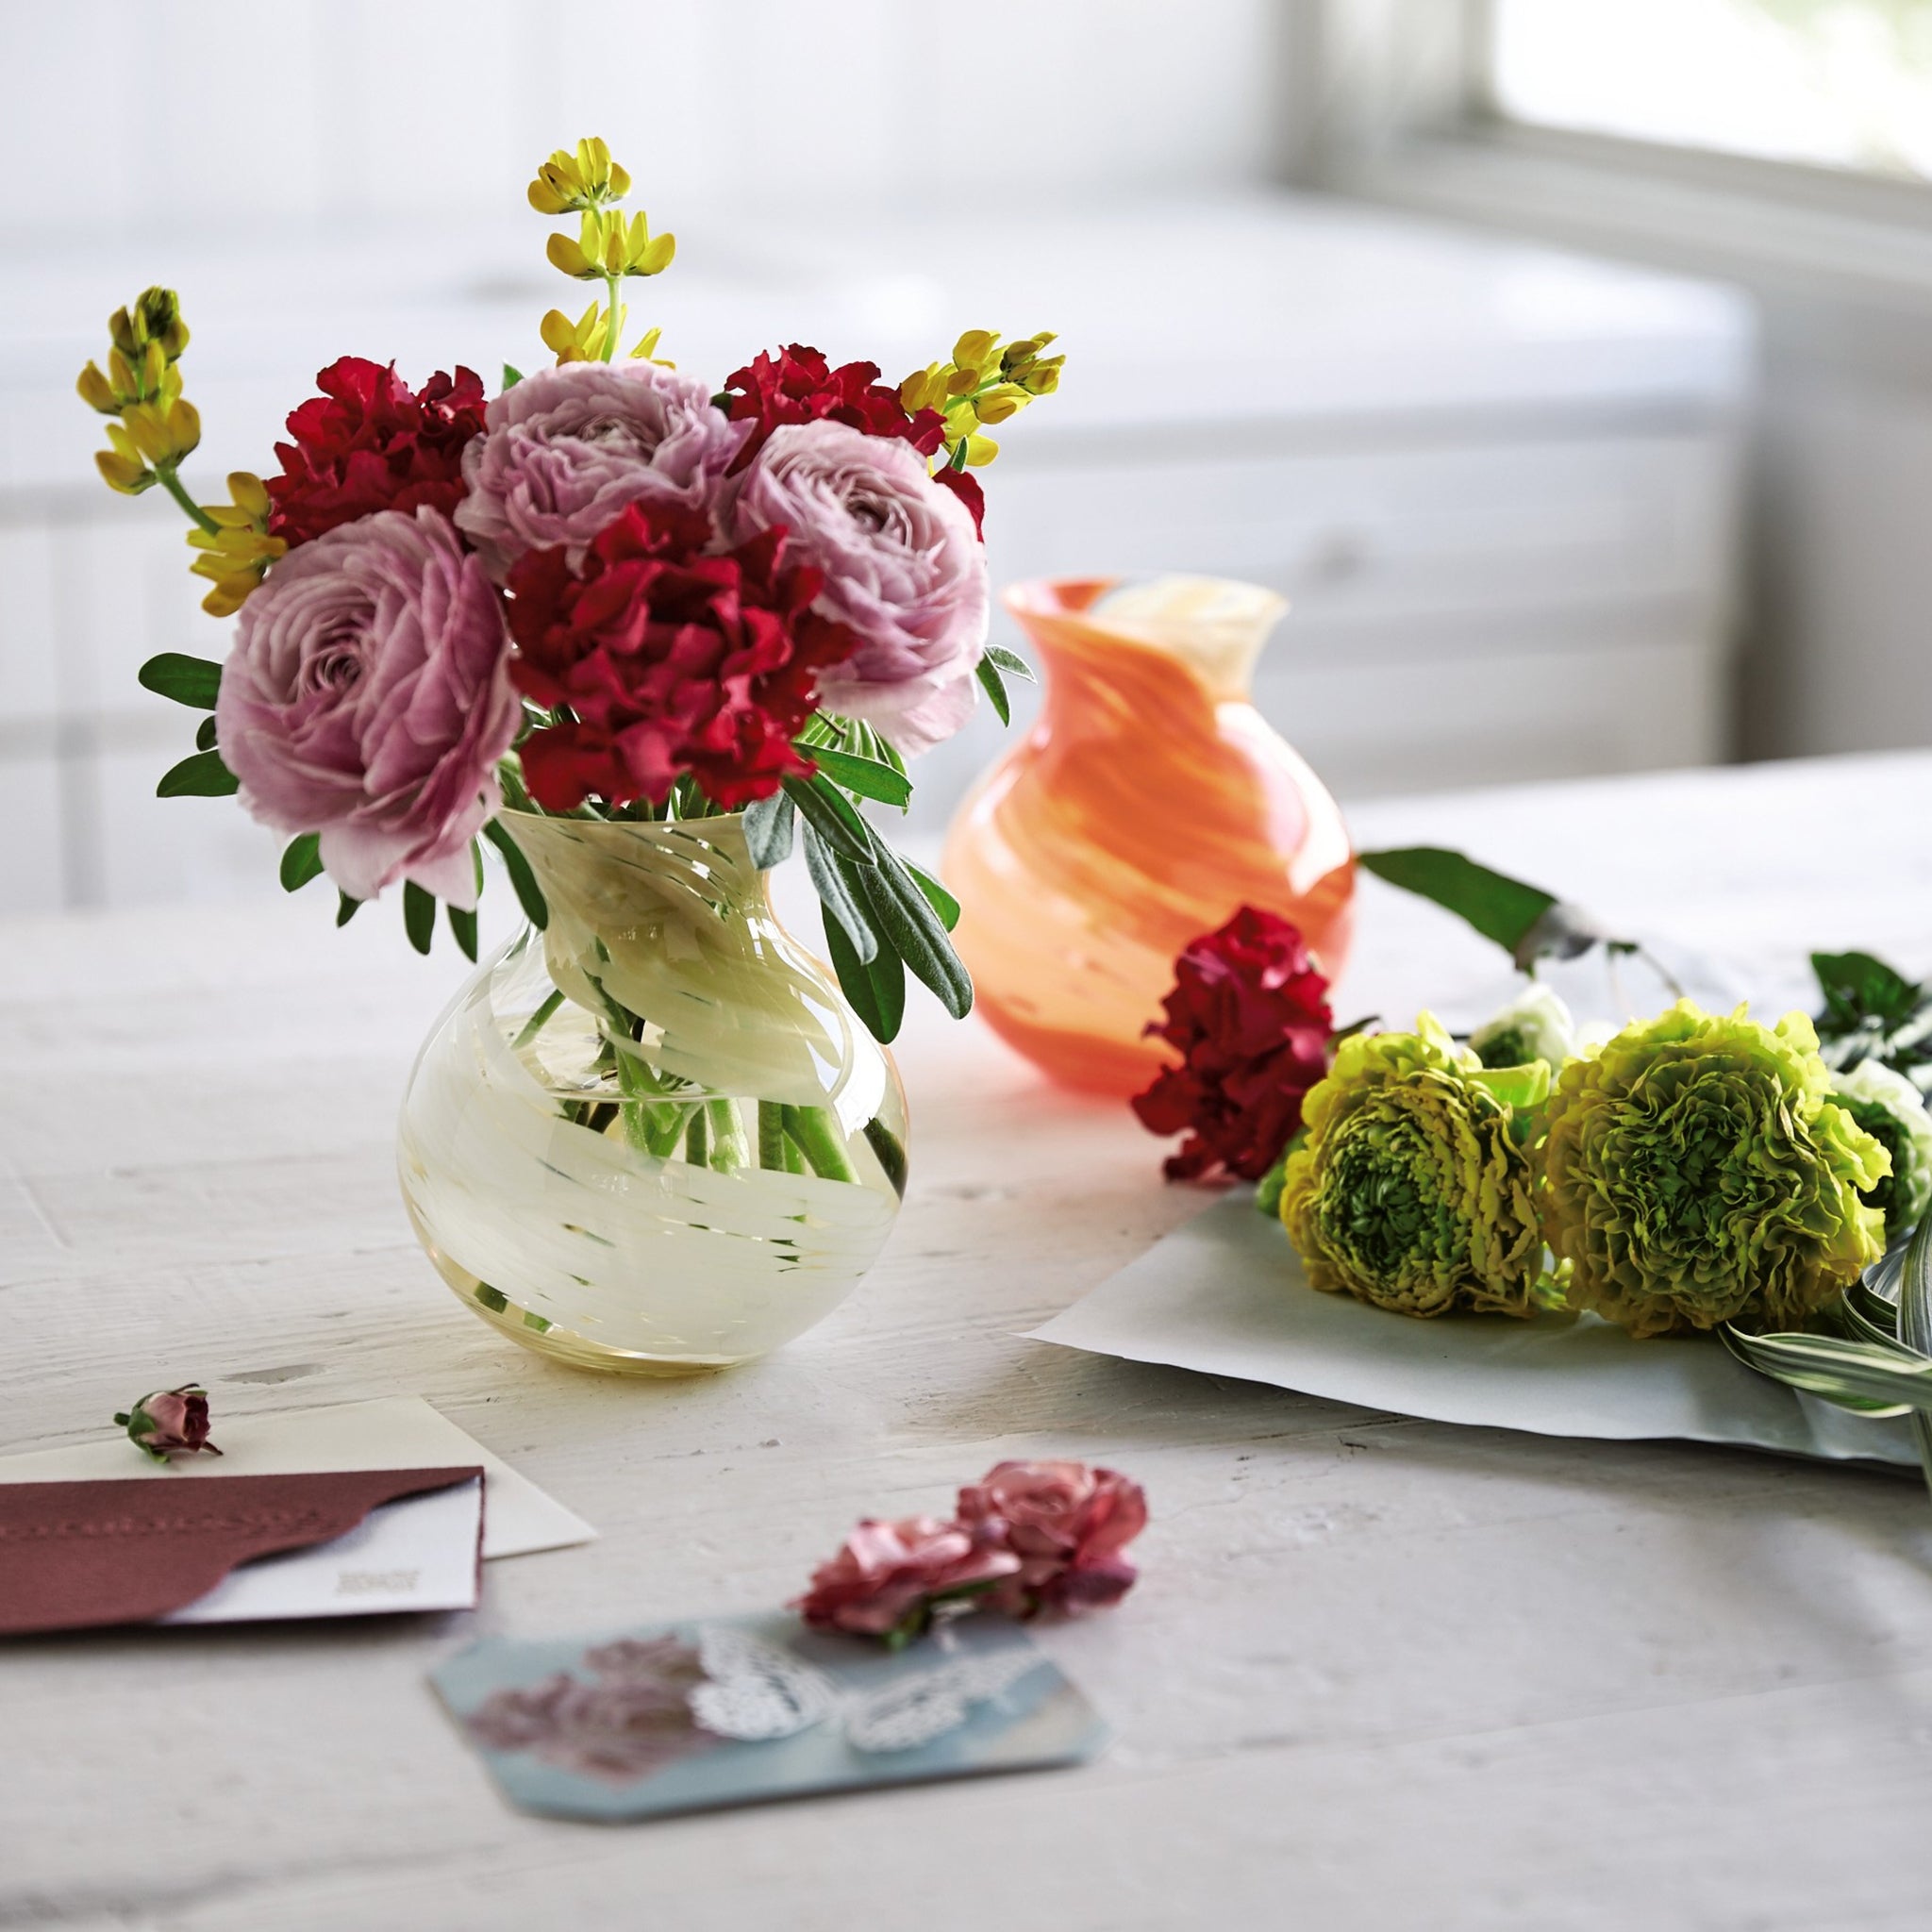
x=1690, y=1174
x=607, y=591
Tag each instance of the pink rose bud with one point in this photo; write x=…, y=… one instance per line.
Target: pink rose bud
x=170, y=1423
x=889, y=1577
x=1066, y=1525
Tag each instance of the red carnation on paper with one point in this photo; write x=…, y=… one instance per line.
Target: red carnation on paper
x=368, y=443
x=1250, y=1015
x=798, y=385
x=669, y=660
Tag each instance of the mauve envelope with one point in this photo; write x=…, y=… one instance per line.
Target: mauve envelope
x=78, y=1555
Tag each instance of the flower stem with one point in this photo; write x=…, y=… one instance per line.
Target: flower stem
x=811, y=1128
x=697, y=1148
x=164, y=474
x=537, y=1022
x=772, y=1135
x=610, y=318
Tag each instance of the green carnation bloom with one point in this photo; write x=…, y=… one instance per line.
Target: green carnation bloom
x=1698, y=1172
x=1415, y=1187
x=1888, y=1106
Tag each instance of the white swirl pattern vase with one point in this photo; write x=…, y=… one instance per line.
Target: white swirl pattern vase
x=653, y=1138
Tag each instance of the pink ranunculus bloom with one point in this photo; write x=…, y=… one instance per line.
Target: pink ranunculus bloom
x=368, y=699
x=1067, y=1524
x=564, y=450
x=902, y=565
x=886, y=1578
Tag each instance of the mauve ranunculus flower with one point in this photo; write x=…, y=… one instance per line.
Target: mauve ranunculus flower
x=170, y=1423
x=903, y=566
x=368, y=699
x=884, y=1581
x=566, y=449
x=1067, y=1526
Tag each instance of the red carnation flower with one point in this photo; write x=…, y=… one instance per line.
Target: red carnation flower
x=965, y=486
x=798, y=385
x=368, y=443
x=1250, y=1015
x=669, y=660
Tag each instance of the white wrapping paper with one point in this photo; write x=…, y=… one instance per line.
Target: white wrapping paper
x=1226, y=1295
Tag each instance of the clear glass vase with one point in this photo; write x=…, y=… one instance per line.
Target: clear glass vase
x=653, y=1138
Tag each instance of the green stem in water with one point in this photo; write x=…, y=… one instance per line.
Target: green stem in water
x=730, y=1147
x=697, y=1148
x=772, y=1142
x=537, y=1022
x=164, y=474
x=818, y=1141
x=890, y=1151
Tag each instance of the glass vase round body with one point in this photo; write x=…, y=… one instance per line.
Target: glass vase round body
x=653, y=1138
x=1147, y=804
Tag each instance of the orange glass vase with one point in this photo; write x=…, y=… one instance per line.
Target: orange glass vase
x=1149, y=802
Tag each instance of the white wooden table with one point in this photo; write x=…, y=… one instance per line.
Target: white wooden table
x=1379, y=1673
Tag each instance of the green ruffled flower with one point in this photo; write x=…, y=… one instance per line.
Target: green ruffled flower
x=1698, y=1172
x=1889, y=1107
x=1415, y=1188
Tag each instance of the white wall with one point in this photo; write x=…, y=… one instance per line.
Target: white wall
x=127, y=117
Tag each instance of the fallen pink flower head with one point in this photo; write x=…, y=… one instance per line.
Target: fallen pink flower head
x=889, y=1577
x=1065, y=1526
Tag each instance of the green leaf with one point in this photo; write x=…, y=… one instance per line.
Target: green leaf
x=346, y=908
x=768, y=827
x=529, y=894
x=192, y=681
x=832, y=815
x=1859, y=988
x=937, y=896
x=869, y=777
x=1915, y=1328
x=511, y=376
x=875, y=988
x=1009, y=662
x=419, y=915
x=464, y=925
x=910, y=926
x=201, y=775
x=204, y=734
x=995, y=690
x=838, y=896
x=302, y=861
x=1839, y=1370
x=1501, y=908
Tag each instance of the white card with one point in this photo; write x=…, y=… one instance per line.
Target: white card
x=418, y=1553
x=393, y=1432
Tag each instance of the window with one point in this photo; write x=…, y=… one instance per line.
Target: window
x=1843, y=84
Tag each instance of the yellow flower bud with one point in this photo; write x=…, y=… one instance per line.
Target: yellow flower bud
x=973, y=351
x=569, y=182
x=571, y=256
x=149, y=431
x=184, y=428
x=249, y=494
x=125, y=473
x=980, y=449
x=647, y=343
x=97, y=392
